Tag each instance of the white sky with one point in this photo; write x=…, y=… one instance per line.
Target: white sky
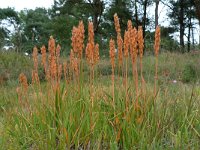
x=29, y=4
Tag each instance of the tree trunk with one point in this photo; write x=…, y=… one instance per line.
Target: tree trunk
x=156, y=13
x=193, y=37
x=144, y=21
x=199, y=33
x=197, y=6
x=181, y=23
x=144, y=17
x=97, y=6
x=189, y=31
x=95, y=21
x=136, y=14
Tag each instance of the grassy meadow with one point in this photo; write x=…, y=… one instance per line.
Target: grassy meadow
x=89, y=103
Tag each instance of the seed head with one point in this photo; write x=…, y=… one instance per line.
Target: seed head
x=120, y=47
x=126, y=43
x=53, y=67
x=58, y=51
x=96, y=54
x=92, y=50
x=112, y=52
x=23, y=81
x=157, y=40
x=43, y=51
x=140, y=41
x=90, y=32
x=35, y=58
x=51, y=45
x=133, y=44
x=89, y=53
x=75, y=39
x=59, y=72
x=72, y=58
x=81, y=38
x=117, y=25
x=129, y=25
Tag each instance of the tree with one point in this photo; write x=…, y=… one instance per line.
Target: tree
x=140, y=14
x=190, y=14
x=81, y=9
x=145, y=4
x=156, y=12
x=67, y=13
x=97, y=8
x=182, y=15
x=122, y=8
x=9, y=17
x=197, y=6
x=36, y=28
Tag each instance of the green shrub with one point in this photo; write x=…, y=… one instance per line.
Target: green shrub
x=189, y=73
x=12, y=64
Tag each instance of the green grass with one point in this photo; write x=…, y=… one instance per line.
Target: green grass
x=66, y=120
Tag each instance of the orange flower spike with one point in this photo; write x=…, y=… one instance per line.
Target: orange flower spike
x=112, y=52
x=126, y=43
x=117, y=25
x=140, y=41
x=81, y=37
x=35, y=58
x=129, y=25
x=91, y=33
x=52, y=45
x=90, y=45
x=58, y=51
x=119, y=39
x=72, y=58
x=74, y=39
x=43, y=51
x=87, y=52
x=157, y=40
x=53, y=69
x=133, y=45
x=23, y=81
x=59, y=71
x=96, y=57
x=120, y=47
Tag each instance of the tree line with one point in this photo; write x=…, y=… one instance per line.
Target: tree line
x=34, y=27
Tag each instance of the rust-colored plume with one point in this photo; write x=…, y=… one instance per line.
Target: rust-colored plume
x=92, y=50
x=117, y=25
x=78, y=39
x=140, y=41
x=112, y=52
x=35, y=58
x=133, y=45
x=119, y=41
x=23, y=81
x=157, y=40
x=126, y=44
x=44, y=56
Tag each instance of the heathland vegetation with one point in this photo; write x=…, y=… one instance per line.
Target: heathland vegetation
x=99, y=94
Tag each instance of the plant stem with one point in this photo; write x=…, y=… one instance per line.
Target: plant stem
x=126, y=84
x=156, y=76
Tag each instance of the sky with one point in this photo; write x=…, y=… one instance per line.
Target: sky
x=32, y=4
x=22, y=4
